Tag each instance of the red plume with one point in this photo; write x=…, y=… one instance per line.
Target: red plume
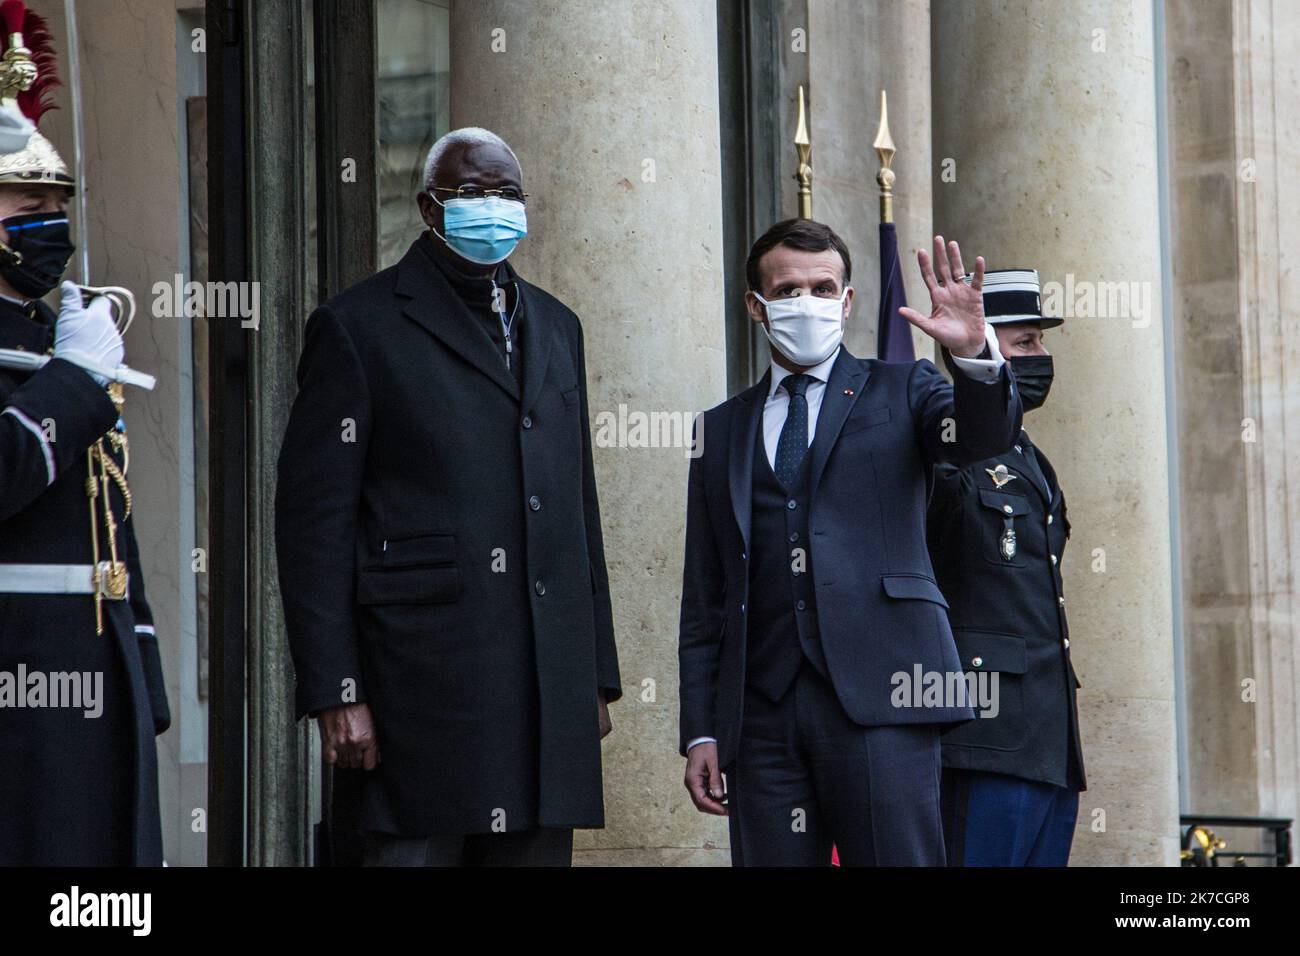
x=38, y=39
x=12, y=12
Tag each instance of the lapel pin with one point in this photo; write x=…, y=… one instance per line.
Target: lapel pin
x=848, y=391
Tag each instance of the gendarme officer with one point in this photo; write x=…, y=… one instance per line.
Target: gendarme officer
x=996, y=531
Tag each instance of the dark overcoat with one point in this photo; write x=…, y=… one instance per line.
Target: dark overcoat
x=440, y=554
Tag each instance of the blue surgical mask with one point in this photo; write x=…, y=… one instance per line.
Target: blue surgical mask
x=484, y=230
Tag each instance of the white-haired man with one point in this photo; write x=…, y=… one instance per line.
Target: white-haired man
x=439, y=539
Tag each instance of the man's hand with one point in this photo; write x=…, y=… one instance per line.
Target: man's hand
x=347, y=736
x=606, y=725
x=956, y=319
x=703, y=780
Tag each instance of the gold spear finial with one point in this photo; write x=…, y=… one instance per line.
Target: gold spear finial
x=803, y=145
x=884, y=146
x=17, y=69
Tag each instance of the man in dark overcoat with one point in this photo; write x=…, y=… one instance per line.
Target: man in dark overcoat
x=439, y=540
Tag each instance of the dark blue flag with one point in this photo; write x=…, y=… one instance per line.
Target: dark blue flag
x=893, y=332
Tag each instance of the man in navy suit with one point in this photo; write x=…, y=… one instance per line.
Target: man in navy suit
x=813, y=635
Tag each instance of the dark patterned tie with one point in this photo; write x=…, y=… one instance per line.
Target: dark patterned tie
x=793, y=444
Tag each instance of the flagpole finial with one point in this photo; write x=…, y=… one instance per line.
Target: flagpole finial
x=884, y=146
x=803, y=146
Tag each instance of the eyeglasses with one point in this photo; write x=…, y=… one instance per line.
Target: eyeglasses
x=474, y=191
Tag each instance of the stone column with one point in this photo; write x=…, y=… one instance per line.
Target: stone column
x=1266, y=86
x=612, y=107
x=1046, y=123
x=1234, y=170
x=855, y=50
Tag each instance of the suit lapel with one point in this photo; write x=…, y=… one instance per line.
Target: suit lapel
x=848, y=376
x=433, y=304
x=745, y=423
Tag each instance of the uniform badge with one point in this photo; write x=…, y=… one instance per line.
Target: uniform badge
x=1008, y=544
x=1000, y=475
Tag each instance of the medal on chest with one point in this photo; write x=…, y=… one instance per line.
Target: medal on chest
x=1000, y=475
x=1007, y=543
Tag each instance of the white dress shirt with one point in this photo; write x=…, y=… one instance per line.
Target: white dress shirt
x=777, y=406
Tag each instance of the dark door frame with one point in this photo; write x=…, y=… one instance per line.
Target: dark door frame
x=257, y=797
x=228, y=387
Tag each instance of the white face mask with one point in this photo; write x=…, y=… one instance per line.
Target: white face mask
x=805, y=329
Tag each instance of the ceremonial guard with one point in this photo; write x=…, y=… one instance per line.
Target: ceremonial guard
x=996, y=532
x=81, y=690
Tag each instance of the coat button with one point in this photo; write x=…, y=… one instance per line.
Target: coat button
x=1049, y=519
x=977, y=662
x=800, y=606
x=1007, y=509
x=535, y=503
x=1053, y=560
x=1061, y=601
x=794, y=536
x=1066, y=642
x=539, y=587
x=527, y=422
x=791, y=504
x=743, y=556
x=742, y=608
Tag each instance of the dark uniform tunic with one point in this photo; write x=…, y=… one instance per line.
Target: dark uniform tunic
x=1007, y=610
x=74, y=790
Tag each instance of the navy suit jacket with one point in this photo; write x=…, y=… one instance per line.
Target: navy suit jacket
x=881, y=429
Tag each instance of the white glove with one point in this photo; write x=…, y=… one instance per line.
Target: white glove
x=15, y=130
x=87, y=336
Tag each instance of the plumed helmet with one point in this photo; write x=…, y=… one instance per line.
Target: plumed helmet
x=27, y=75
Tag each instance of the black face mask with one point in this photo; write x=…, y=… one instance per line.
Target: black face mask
x=37, y=254
x=1034, y=376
